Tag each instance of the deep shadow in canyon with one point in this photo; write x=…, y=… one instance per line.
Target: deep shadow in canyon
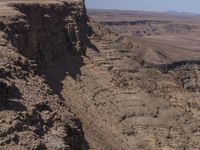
x=56, y=44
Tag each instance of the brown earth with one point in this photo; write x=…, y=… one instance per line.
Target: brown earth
x=32, y=116
x=55, y=63
x=167, y=38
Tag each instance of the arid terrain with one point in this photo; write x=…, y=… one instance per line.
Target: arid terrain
x=175, y=36
x=74, y=82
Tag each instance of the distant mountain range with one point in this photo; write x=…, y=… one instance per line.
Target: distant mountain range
x=169, y=12
x=181, y=13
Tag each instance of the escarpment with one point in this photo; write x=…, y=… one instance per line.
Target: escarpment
x=33, y=34
x=142, y=28
x=67, y=82
x=46, y=32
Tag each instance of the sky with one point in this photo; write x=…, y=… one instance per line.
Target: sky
x=192, y=6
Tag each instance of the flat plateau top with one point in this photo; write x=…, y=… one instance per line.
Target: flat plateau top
x=6, y=10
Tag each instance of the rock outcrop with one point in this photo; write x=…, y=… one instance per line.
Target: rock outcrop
x=45, y=32
x=67, y=82
x=32, y=34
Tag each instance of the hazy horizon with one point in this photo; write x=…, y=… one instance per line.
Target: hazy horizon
x=191, y=6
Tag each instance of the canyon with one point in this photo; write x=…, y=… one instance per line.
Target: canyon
x=77, y=82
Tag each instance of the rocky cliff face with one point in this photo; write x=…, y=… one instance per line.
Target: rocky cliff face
x=33, y=34
x=121, y=101
x=46, y=32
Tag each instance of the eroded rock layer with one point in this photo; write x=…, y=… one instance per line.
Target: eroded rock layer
x=54, y=61
x=135, y=105
x=48, y=32
x=32, y=34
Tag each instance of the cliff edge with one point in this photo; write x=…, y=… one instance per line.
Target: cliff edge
x=32, y=34
x=67, y=82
